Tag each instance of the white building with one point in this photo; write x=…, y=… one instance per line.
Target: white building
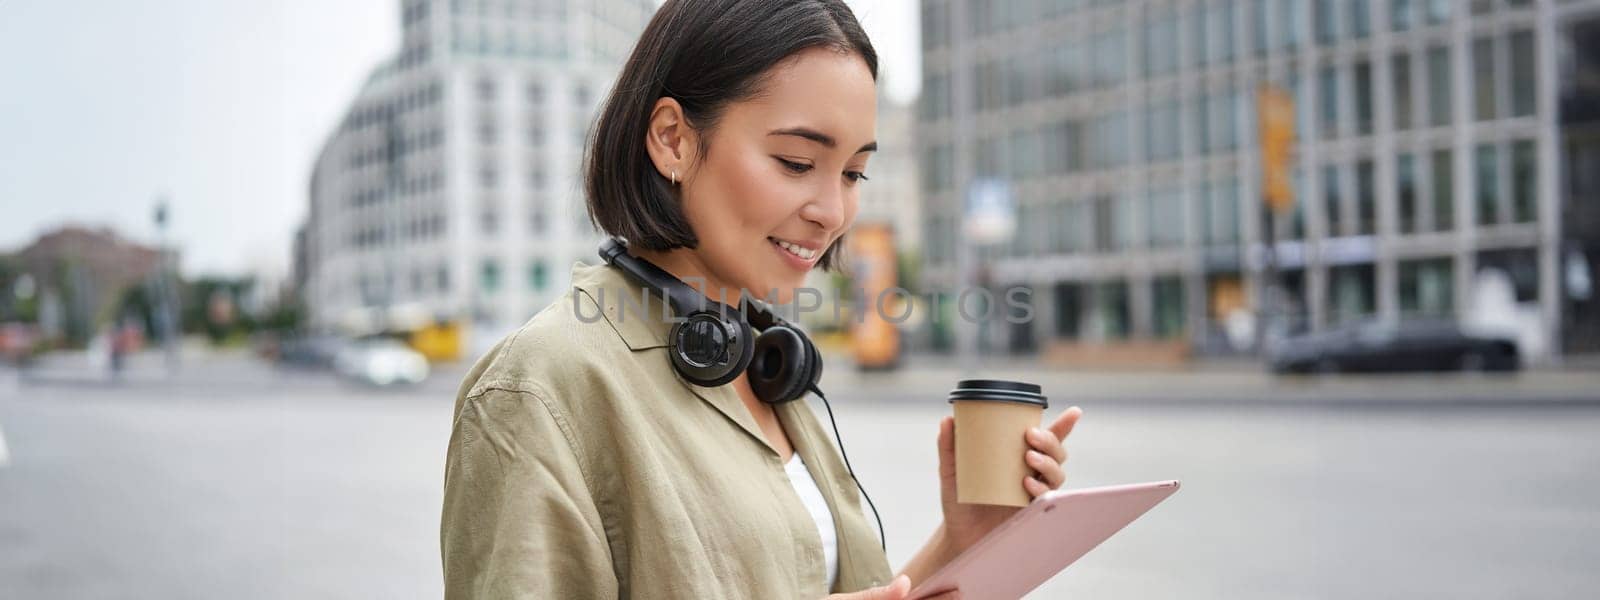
x=452, y=188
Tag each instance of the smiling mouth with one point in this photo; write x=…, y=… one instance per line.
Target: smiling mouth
x=798, y=251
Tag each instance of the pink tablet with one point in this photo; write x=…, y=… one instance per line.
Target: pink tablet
x=1042, y=539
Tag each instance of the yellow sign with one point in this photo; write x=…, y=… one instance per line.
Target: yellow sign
x=1275, y=114
x=439, y=341
x=874, y=338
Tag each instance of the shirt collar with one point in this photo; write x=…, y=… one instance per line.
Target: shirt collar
x=641, y=321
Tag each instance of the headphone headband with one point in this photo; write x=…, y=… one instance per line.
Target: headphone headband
x=683, y=298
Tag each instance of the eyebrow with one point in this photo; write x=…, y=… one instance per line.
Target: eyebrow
x=821, y=138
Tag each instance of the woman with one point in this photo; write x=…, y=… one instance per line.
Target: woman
x=582, y=465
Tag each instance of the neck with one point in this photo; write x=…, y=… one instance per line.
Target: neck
x=684, y=264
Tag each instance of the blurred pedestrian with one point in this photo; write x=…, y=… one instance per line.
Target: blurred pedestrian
x=594, y=457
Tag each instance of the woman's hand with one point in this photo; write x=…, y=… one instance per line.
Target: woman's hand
x=965, y=524
x=898, y=589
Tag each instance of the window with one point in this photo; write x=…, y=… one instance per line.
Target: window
x=1111, y=310
x=1438, y=11
x=1426, y=287
x=1363, y=97
x=1406, y=191
x=1124, y=232
x=486, y=89
x=1328, y=103
x=1222, y=26
x=1400, y=14
x=1113, y=223
x=1224, y=219
x=1360, y=19
x=1520, y=264
x=1488, y=185
x=1168, y=305
x=1068, y=309
x=1258, y=19
x=1327, y=19
x=489, y=276
x=935, y=101
x=1289, y=13
x=1524, y=181
x=1400, y=73
x=1366, y=201
x=1483, y=78
x=1164, y=217
x=1439, y=86
x=1224, y=131
x=1523, y=87
x=1350, y=295
x=1160, y=45
x=1110, y=56
x=1162, y=135
x=1331, y=201
x=537, y=278
x=1444, y=197
x=1197, y=36
x=1297, y=215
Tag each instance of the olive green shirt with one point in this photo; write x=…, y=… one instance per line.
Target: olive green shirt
x=582, y=466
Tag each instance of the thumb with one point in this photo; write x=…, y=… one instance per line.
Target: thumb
x=947, y=448
x=896, y=590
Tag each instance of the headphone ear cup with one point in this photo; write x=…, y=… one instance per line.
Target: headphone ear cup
x=778, y=372
x=709, y=350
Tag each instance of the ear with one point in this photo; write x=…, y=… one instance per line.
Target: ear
x=670, y=139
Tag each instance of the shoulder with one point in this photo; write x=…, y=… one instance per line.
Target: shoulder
x=552, y=353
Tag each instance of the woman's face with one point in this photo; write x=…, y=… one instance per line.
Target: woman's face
x=780, y=180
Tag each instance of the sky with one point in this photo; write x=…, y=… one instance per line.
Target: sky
x=217, y=106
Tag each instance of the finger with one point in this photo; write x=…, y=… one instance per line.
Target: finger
x=947, y=447
x=1063, y=424
x=1035, y=487
x=1049, y=471
x=1044, y=441
x=896, y=590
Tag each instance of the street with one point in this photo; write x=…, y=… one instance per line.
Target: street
x=243, y=482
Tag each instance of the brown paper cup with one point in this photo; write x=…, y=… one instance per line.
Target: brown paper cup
x=992, y=418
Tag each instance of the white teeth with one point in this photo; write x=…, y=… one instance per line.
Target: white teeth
x=796, y=250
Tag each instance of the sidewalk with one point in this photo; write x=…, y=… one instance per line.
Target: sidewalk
x=930, y=378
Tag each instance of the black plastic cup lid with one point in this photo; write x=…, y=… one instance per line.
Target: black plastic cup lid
x=998, y=390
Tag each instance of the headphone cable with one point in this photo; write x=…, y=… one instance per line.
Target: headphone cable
x=883, y=540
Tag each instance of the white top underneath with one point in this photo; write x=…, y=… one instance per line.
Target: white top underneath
x=811, y=496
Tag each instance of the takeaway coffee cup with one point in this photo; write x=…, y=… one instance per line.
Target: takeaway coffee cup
x=992, y=418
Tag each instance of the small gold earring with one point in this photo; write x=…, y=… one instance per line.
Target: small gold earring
x=674, y=177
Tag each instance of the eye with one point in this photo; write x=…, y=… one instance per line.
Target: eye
x=794, y=167
x=856, y=176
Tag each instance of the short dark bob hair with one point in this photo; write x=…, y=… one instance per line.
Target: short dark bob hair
x=705, y=54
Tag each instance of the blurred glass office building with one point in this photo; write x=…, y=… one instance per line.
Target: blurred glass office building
x=1427, y=171
x=450, y=189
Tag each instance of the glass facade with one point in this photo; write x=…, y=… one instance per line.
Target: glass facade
x=1128, y=129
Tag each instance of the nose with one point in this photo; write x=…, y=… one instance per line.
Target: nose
x=828, y=208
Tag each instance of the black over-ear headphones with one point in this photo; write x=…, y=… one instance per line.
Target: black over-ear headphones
x=713, y=343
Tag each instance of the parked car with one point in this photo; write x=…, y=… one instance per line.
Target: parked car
x=308, y=351
x=381, y=361
x=1380, y=346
